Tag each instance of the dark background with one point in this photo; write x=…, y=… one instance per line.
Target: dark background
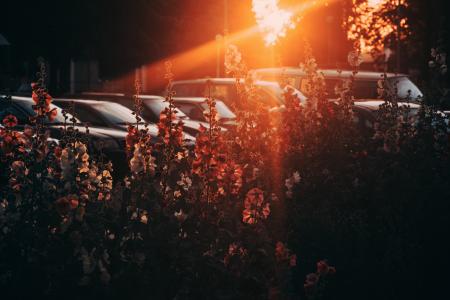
x=122, y=35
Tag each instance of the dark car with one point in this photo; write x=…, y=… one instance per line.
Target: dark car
x=108, y=115
x=110, y=141
x=270, y=93
x=365, y=84
x=152, y=106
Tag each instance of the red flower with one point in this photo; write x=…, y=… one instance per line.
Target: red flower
x=322, y=267
x=63, y=206
x=293, y=260
x=311, y=280
x=131, y=138
x=254, y=207
x=57, y=151
x=35, y=97
x=73, y=201
x=52, y=114
x=10, y=121
x=281, y=252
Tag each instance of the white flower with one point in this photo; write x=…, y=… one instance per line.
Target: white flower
x=185, y=182
x=144, y=218
x=296, y=176
x=233, y=59
x=180, y=215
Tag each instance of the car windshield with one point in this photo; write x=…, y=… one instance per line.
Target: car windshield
x=27, y=106
x=368, y=89
x=222, y=91
x=114, y=112
x=157, y=106
x=405, y=88
x=223, y=110
x=277, y=93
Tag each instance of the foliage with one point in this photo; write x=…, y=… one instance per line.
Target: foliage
x=243, y=213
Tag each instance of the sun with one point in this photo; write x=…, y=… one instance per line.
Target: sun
x=272, y=21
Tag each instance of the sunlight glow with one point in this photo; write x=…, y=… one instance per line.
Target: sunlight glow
x=272, y=21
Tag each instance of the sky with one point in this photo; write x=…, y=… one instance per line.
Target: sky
x=124, y=34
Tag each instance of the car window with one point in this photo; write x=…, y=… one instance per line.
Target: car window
x=222, y=110
x=224, y=92
x=114, y=113
x=153, y=109
x=27, y=107
x=365, y=89
x=188, y=90
x=193, y=111
x=362, y=89
x=286, y=79
x=85, y=114
x=271, y=96
x=405, y=87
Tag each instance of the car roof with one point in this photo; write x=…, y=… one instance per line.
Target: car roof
x=335, y=73
x=375, y=104
x=103, y=94
x=84, y=101
x=225, y=80
x=190, y=99
x=152, y=97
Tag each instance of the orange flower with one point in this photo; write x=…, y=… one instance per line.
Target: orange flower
x=73, y=202
x=63, y=206
x=52, y=114
x=35, y=97
x=254, y=207
x=10, y=121
x=131, y=138
x=281, y=252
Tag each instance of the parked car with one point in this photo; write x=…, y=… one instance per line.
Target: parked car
x=110, y=141
x=365, y=85
x=270, y=93
x=152, y=106
x=195, y=107
x=108, y=115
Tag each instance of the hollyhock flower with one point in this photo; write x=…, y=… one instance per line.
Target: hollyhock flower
x=293, y=260
x=132, y=137
x=73, y=199
x=19, y=168
x=281, y=252
x=136, y=165
x=10, y=121
x=51, y=115
x=105, y=180
x=63, y=206
x=80, y=148
x=233, y=60
x=311, y=281
x=185, y=182
x=255, y=208
x=322, y=267
x=144, y=217
x=290, y=182
x=66, y=161
x=57, y=151
x=177, y=194
x=180, y=215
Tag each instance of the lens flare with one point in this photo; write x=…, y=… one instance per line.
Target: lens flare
x=272, y=21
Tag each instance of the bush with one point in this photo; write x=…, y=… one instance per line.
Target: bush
x=247, y=213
